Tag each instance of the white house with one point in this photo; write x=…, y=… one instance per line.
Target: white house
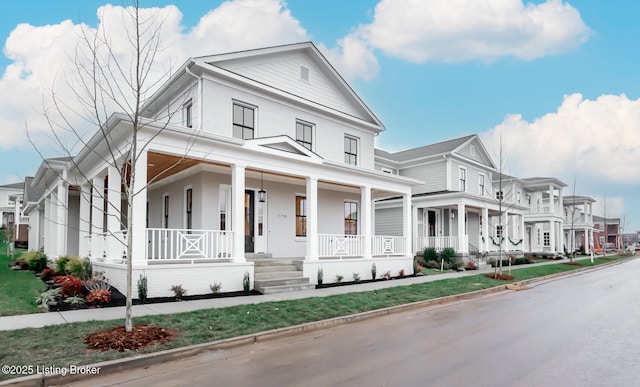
x=270, y=154
x=457, y=203
x=8, y=203
x=578, y=222
x=544, y=217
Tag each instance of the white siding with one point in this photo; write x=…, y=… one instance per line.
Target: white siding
x=434, y=176
x=389, y=221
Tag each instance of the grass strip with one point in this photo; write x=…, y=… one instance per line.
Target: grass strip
x=62, y=345
x=18, y=288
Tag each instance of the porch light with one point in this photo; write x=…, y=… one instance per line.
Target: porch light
x=262, y=194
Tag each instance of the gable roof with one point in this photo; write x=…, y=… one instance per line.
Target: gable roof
x=430, y=150
x=265, y=69
x=13, y=185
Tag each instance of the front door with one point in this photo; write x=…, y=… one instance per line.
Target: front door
x=249, y=233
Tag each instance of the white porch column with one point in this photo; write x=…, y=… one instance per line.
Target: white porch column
x=312, y=219
x=552, y=235
x=505, y=232
x=552, y=206
x=139, y=239
x=485, y=228
x=115, y=247
x=61, y=218
x=84, y=227
x=414, y=229
x=365, y=204
x=522, y=232
x=406, y=218
x=48, y=237
x=97, y=219
x=464, y=247
x=237, y=211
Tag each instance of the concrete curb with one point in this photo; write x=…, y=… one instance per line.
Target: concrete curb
x=118, y=365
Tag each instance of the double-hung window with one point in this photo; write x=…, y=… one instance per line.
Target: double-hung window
x=350, y=150
x=188, y=114
x=481, y=184
x=463, y=179
x=350, y=218
x=243, y=121
x=301, y=216
x=304, y=134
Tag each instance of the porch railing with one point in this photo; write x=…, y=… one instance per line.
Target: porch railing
x=455, y=242
x=179, y=244
x=335, y=245
x=388, y=245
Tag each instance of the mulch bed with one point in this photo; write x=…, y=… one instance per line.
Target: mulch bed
x=141, y=336
x=504, y=277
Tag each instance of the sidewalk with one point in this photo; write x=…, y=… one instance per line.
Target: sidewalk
x=39, y=320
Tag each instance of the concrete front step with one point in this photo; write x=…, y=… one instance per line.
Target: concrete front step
x=276, y=274
x=260, y=284
x=285, y=288
x=274, y=268
x=270, y=262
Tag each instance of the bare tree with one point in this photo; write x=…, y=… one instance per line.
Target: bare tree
x=573, y=212
x=102, y=81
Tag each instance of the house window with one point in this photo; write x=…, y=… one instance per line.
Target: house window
x=547, y=239
x=165, y=211
x=350, y=150
x=304, y=134
x=188, y=202
x=350, y=218
x=188, y=115
x=223, y=206
x=463, y=179
x=481, y=184
x=518, y=197
x=499, y=232
x=538, y=236
x=243, y=121
x=301, y=216
x=499, y=195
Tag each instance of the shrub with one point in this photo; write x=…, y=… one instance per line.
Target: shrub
x=373, y=271
x=142, y=287
x=356, y=277
x=47, y=274
x=320, y=276
x=178, y=291
x=470, y=265
x=70, y=285
x=96, y=284
x=61, y=264
x=448, y=254
x=99, y=296
x=74, y=300
x=457, y=264
x=387, y=275
x=432, y=265
x=430, y=254
x=35, y=260
x=401, y=273
x=77, y=266
x=45, y=297
x=215, y=287
x=246, y=282
x=339, y=278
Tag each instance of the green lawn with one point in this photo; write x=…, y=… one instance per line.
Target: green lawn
x=18, y=289
x=61, y=345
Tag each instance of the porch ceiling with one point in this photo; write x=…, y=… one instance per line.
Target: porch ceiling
x=160, y=166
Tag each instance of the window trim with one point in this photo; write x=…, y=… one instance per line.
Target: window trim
x=481, y=187
x=188, y=212
x=303, y=216
x=462, y=183
x=227, y=206
x=166, y=208
x=187, y=119
x=311, y=127
x=255, y=119
x=357, y=224
x=357, y=149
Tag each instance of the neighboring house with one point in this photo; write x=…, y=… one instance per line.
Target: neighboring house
x=8, y=195
x=34, y=207
x=606, y=233
x=456, y=204
x=578, y=223
x=544, y=217
x=270, y=155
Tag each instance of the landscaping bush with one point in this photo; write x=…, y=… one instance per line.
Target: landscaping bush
x=99, y=296
x=61, y=264
x=448, y=254
x=47, y=274
x=70, y=285
x=432, y=265
x=34, y=260
x=470, y=265
x=430, y=254
x=76, y=266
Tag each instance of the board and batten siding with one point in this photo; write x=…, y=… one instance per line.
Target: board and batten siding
x=389, y=221
x=283, y=72
x=433, y=176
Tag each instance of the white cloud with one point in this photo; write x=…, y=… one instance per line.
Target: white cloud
x=596, y=139
x=461, y=30
x=42, y=56
x=352, y=58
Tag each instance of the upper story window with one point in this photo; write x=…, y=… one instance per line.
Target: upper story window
x=481, y=184
x=188, y=114
x=243, y=121
x=304, y=134
x=350, y=150
x=463, y=179
x=518, y=194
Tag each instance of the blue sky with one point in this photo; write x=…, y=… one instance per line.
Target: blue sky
x=559, y=79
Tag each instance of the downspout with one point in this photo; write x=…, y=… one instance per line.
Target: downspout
x=200, y=89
